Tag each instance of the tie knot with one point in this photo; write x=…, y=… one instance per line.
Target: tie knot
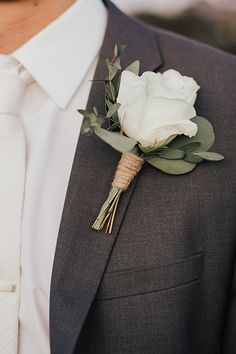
x=13, y=82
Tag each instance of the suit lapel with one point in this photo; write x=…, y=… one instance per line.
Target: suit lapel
x=82, y=253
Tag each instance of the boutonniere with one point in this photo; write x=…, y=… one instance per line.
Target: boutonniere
x=149, y=119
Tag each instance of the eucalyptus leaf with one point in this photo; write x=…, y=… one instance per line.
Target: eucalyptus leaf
x=121, y=49
x=115, y=127
x=117, y=83
x=191, y=157
x=102, y=118
x=116, y=51
x=90, y=122
x=119, y=142
x=171, y=154
x=172, y=167
x=94, y=121
x=110, y=91
x=113, y=108
x=85, y=128
x=193, y=146
x=134, y=67
x=109, y=104
x=148, y=150
x=85, y=113
x=114, y=117
x=205, y=136
x=108, y=64
x=117, y=64
x=211, y=156
x=113, y=72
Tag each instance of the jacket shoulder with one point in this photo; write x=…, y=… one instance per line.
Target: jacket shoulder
x=193, y=51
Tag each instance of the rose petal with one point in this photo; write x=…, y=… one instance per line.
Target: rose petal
x=132, y=88
x=171, y=84
x=160, y=136
x=131, y=117
x=157, y=107
x=146, y=115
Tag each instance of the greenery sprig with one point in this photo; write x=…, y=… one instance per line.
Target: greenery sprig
x=178, y=157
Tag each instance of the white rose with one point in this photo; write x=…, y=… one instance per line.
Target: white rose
x=155, y=108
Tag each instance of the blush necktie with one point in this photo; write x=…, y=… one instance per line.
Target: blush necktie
x=12, y=178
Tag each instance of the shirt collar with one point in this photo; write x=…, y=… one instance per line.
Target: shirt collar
x=60, y=55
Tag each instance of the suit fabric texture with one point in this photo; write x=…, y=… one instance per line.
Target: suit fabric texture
x=164, y=280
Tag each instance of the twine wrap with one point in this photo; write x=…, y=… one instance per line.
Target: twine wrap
x=129, y=165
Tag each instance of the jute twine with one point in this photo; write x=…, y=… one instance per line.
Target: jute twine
x=129, y=165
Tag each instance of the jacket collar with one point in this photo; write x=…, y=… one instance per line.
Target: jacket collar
x=82, y=253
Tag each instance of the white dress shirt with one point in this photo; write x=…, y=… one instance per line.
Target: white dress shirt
x=62, y=59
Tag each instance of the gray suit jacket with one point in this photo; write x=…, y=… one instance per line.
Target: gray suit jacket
x=164, y=281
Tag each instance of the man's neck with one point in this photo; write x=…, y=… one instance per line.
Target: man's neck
x=21, y=20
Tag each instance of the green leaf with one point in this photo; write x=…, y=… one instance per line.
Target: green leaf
x=205, y=136
x=191, y=146
x=117, y=83
x=171, y=154
x=172, y=167
x=114, y=127
x=191, y=157
x=85, y=128
x=85, y=113
x=110, y=91
x=113, y=72
x=109, y=104
x=108, y=64
x=121, y=49
x=211, y=156
x=134, y=67
x=116, y=140
x=149, y=150
x=116, y=64
x=113, y=108
x=114, y=117
x=91, y=121
x=116, y=51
